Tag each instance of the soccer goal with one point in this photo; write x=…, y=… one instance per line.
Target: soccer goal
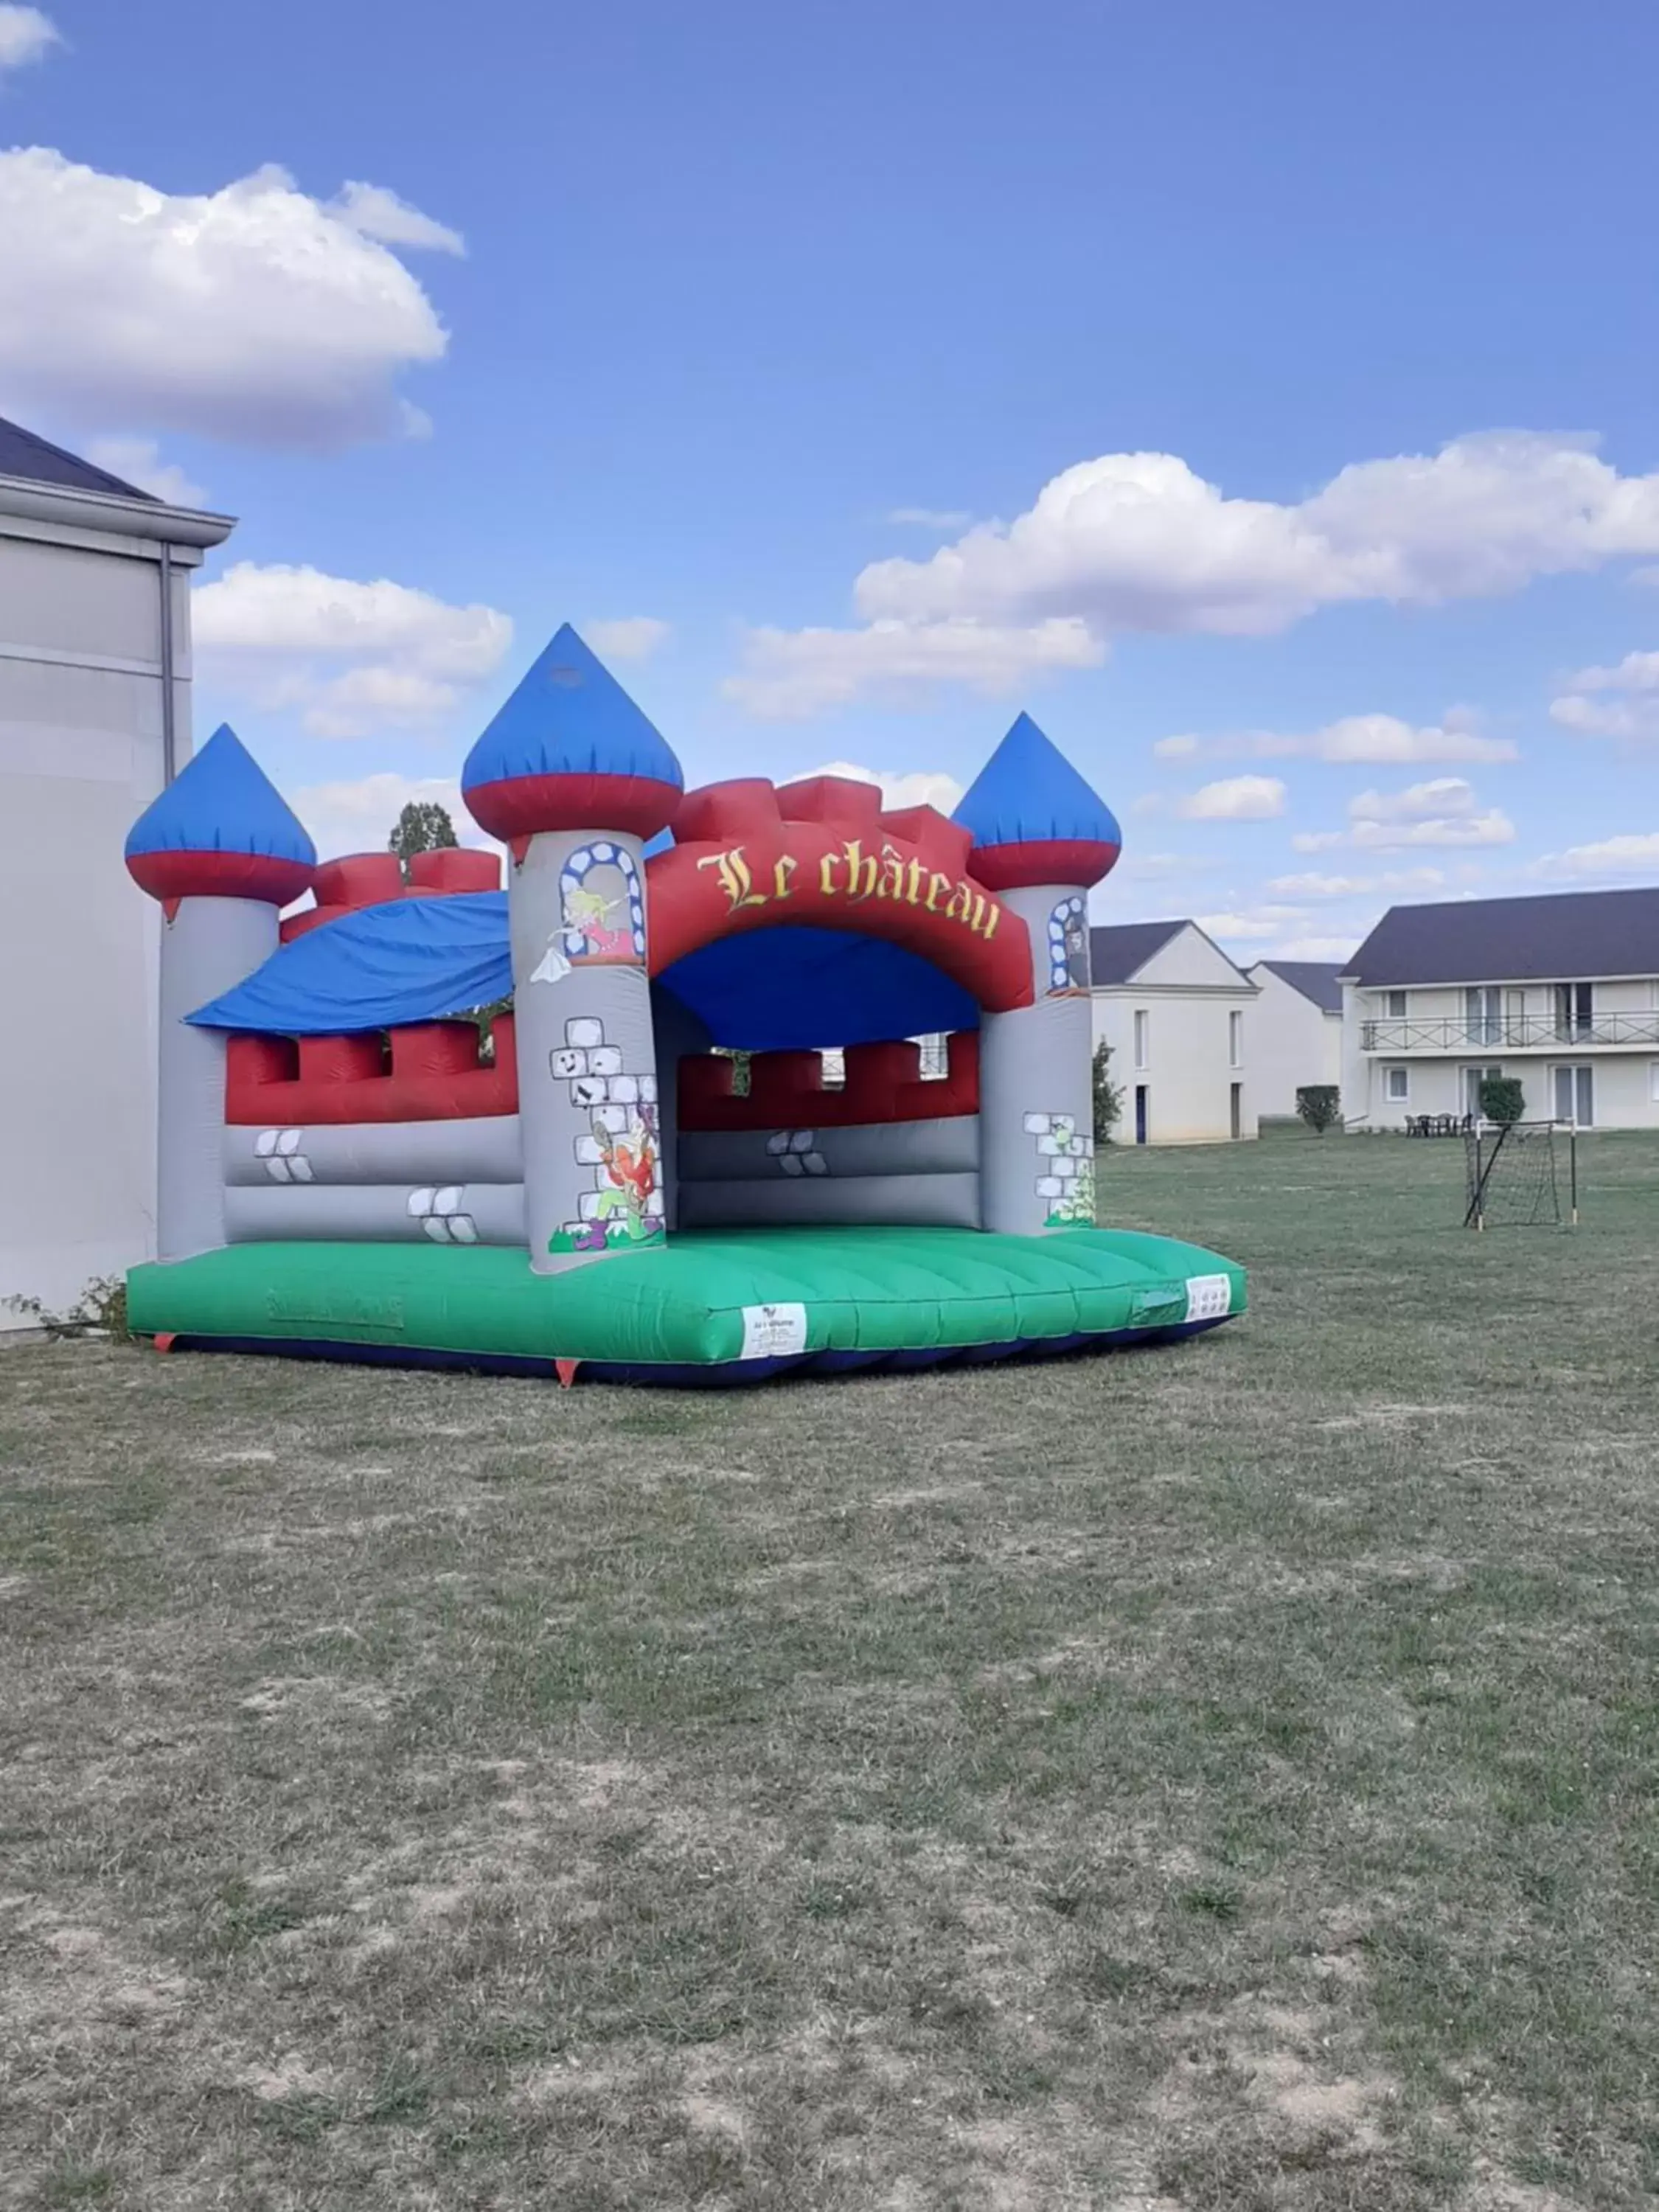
x=1513, y=1178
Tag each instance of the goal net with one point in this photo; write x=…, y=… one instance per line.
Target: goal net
x=1512, y=1180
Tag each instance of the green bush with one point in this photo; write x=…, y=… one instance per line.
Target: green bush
x=1319, y=1105
x=1107, y=1095
x=1502, y=1098
x=101, y=1310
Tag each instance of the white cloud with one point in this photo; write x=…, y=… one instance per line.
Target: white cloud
x=253, y=312
x=1256, y=924
x=374, y=211
x=359, y=816
x=1317, y=948
x=1494, y=827
x=138, y=461
x=1632, y=713
x=1139, y=541
x=788, y=675
x=1147, y=867
x=349, y=658
x=1443, y=812
x=1236, y=799
x=1633, y=853
x=1379, y=739
x=25, y=36
x=1442, y=795
x=630, y=637
x=913, y=787
x=1314, y=885
x=931, y=518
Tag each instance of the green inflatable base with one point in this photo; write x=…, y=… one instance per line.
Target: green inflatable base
x=713, y=1306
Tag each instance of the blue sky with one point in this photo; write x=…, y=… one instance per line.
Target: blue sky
x=720, y=324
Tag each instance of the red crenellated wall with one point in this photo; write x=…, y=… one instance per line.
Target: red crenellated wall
x=355, y=880
x=427, y=1071
x=787, y=1089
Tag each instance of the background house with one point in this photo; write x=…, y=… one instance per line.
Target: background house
x=1174, y=1011
x=94, y=716
x=1295, y=1031
x=1561, y=991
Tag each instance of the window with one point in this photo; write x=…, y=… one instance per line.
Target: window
x=1575, y=1097
x=1234, y=1040
x=1574, y=1012
x=1143, y=1041
x=1397, y=1085
x=1483, y=1014
x=1653, y=1079
x=1393, y=1005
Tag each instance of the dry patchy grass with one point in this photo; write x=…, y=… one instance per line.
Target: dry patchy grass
x=1202, y=1779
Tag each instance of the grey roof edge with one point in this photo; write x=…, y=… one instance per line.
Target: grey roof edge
x=1156, y=945
x=31, y=459
x=41, y=481
x=141, y=516
x=1298, y=975
x=1562, y=935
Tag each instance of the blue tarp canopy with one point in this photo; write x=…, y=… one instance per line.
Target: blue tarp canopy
x=418, y=959
x=412, y=960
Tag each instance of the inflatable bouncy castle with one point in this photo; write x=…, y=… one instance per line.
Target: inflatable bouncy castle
x=639, y=1168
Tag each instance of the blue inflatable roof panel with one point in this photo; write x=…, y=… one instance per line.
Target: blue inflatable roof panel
x=805, y=989
x=569, y=716
x=1028, y=793
x=221, y=801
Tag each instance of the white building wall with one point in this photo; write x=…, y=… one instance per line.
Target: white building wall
x=1625, y=1078
x=1189, y=1076
x=80, y=755
x=1293, y=1043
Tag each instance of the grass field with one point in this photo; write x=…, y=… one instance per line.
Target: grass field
x=1200, y=1780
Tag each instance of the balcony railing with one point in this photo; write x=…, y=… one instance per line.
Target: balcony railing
x=1525, y=1032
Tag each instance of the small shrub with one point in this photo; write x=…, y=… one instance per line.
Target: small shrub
x=101, y=1310
x=1319, y=1105
x=1107, y=1095
x=1502, y=1098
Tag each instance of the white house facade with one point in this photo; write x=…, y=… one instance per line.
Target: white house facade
x=1295, y=1031
x=1560, y=991
x=1175, y=1012
x=94, y=717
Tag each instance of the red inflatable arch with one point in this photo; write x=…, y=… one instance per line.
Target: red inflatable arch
x=749, y=855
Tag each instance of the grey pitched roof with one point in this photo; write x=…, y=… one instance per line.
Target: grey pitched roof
x=1120, y=951
x=1316, y=980
x=1558, y=937
x=38, y=461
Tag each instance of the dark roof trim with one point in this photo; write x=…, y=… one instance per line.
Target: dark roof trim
x=1319, y=982
x=1119, y=950
x=34, y=459
x=1561, y=937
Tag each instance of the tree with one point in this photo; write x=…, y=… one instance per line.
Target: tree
x=422, y=827
x=1319, y=1105
x=1107, y=1095
x=1502, y=1098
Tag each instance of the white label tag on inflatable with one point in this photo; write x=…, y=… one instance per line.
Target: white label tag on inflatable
x=1209, y=1297
x=772, y=1332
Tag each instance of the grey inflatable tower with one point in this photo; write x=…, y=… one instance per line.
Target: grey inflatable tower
x=1041, y=837
x=575, y=780
x=222, y=853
